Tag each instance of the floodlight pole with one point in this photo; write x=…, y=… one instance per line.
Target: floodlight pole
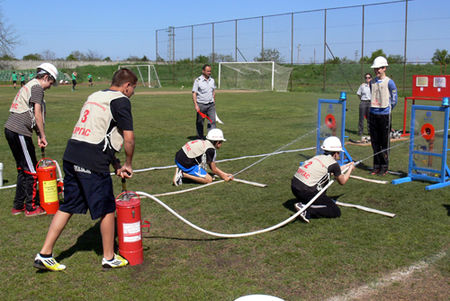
x=235, y=39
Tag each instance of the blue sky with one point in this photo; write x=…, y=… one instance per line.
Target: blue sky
x=120, y=29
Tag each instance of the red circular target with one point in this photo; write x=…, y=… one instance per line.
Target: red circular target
x=330, y=121
x=427, y=131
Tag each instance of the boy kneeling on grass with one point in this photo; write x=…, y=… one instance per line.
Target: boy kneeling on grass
x=192, y=158
x=315, y=174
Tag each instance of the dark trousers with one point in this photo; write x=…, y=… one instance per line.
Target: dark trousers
x=379, y=129
x=210, y=111
x=364, y=110
x=324, y=206
x=22, y=148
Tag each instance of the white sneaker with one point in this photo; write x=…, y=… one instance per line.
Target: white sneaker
x=47, y=263
x=117, y=262
x=178, y=177
x=299, y=206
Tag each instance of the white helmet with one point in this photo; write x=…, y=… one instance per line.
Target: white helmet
x=379, y=62
x=215, y=135
x=332, y=144
x=50, y=69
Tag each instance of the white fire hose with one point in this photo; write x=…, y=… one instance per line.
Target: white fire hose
x=236, y=235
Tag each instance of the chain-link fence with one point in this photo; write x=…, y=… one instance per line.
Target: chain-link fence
x=343, y=34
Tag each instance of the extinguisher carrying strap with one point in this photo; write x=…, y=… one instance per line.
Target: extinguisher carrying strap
x=45, y=160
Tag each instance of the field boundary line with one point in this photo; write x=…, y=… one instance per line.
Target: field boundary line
x=400, y=275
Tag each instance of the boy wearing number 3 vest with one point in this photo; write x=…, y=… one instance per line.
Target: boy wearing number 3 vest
x=105, y=123
x=313, y=175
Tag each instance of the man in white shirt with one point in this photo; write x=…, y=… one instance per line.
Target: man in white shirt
x=364, y=94
x=203, y=96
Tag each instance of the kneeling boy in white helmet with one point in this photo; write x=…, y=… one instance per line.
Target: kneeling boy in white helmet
x=313, y=175
x=193, y=157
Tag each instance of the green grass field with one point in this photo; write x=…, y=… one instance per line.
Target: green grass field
x=297, y=262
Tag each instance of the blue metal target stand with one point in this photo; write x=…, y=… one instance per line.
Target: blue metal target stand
x=331, y=122
x=428, y=146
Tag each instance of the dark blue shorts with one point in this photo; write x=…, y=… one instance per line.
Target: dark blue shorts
x=85, y=189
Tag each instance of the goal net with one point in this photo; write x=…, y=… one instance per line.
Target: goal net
x=146, y=74
x=253, y=76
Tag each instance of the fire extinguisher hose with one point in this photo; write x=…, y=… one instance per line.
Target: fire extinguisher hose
x=236, y=235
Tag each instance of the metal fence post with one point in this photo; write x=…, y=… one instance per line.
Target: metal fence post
x=362, y=42
x=324, y=49
x=404, y=54
x=235, y=40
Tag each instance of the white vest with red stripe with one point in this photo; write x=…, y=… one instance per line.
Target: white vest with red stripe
x=21, y=102
x=314, y=169
x=380, y=94
x=196, y=148
x=95, y=119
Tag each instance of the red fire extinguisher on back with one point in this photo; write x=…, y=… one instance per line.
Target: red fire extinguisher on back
x=129, y=226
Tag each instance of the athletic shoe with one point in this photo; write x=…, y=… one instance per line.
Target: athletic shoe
x=300, y=206
x=47, y=263
x=178, y=177
x=15, y=211
x=38, y=211
x=117, y=262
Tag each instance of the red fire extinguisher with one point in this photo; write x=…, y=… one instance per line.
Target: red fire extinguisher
x=48, y=187
x=129, y=226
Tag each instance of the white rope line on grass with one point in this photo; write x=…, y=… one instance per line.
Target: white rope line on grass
x=230, y=159
x=368, y=180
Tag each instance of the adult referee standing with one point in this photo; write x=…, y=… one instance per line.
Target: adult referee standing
x=203, y=96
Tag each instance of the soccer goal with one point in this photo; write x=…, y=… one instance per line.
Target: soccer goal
x=253, y=76
x=146, y=74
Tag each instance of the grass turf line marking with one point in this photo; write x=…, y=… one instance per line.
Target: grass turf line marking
x=366, y=290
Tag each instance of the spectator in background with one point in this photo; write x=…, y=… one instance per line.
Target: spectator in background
x=364, y=95
x=74, y=80
x=22, y=79
x=90, y=80
x=14, y=78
